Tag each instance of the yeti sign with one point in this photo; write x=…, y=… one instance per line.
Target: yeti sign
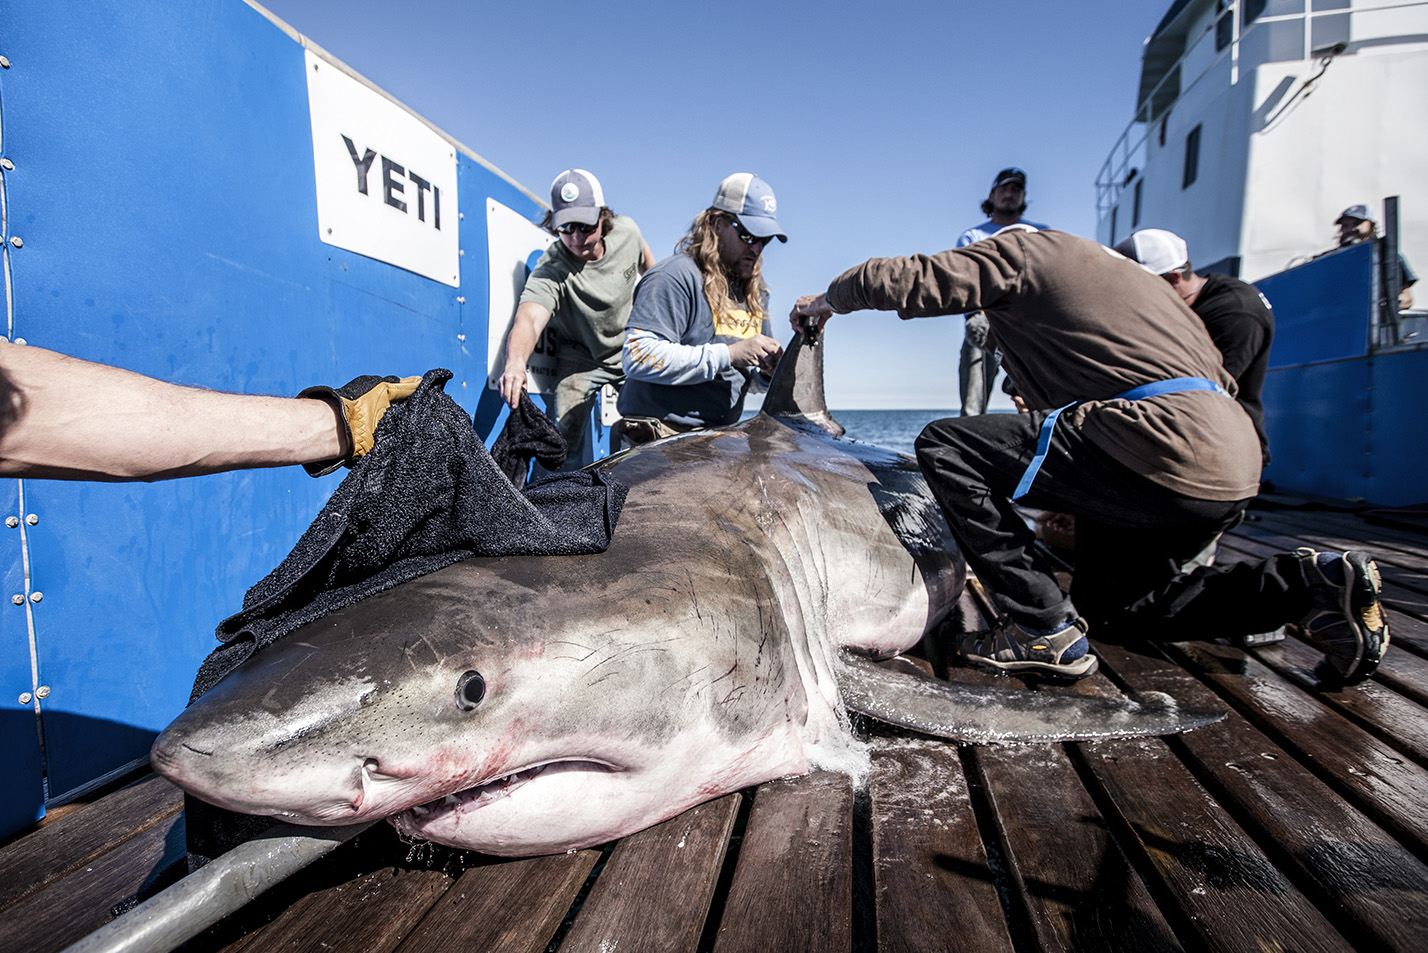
x=386, y=181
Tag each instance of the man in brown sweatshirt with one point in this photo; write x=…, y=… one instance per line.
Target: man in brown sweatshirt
x=1134, y=430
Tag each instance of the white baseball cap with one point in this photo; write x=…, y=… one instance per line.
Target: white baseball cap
x=1156, y=250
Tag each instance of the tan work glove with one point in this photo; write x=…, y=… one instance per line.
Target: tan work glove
x=360, y=402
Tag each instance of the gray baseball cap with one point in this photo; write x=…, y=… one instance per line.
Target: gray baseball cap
x=1357, y=212
x=576, y=196
x=750, y=198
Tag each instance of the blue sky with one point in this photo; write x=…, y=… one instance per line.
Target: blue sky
x=879, y=125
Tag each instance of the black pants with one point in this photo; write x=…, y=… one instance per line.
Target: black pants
x=1132, y=537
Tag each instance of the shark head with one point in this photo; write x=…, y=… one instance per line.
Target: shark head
x=495, y=705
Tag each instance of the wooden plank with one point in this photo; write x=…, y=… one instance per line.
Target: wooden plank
x=510, y=906
x=1373, y=775
x=371, y=913
x=1347, y=531
x=59, y=849
x=1409, y=584
x=1407, y=633
x=792, y=888
x=373, y=850
x=1354, y=871
x=655, y=890
x=1075, y=889
x=934, y=884
x=1215, y=884
x=1403, y=669
x=1407, y=623
x=1389, y=715
x=75, y=906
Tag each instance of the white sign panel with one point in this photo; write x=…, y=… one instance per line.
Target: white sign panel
x=515, y=246
x=386, y=182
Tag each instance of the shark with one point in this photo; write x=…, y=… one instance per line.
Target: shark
x=761, y=577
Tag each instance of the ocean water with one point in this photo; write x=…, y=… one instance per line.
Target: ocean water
x=894, y=429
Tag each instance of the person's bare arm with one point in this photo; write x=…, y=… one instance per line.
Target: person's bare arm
x=530, y=322
x=64, y=418
x=646, y=258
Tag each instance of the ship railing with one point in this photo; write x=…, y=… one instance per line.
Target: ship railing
x=1343, y=304
x=1131, y=152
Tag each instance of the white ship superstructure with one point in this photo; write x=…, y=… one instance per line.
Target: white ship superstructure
x=1258, y=121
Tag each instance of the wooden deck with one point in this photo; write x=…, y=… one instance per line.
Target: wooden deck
x=1298, y=823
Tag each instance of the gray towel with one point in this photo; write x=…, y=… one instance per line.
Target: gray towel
x=426, y=496
x=528, y=433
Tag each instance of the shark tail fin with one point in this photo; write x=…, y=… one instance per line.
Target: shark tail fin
x=795, y=394
x=981, y=714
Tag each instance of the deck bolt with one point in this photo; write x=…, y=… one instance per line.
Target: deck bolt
x=17, y=241
x=461, y=338
x=18, y=598
x=25, y=698
x=4, y=62
x=12, y=521
x=461, y=253
x=36, y=596
x=32, y=519
x=460, y=299
x=21, y=341
x=42, y=692
x=6, y=164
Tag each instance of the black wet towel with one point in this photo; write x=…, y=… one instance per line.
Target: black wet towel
x=528, y=433
x=428, y=495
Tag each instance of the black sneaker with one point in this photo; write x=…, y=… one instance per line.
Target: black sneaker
x=1347, y=622
x=1007, y=647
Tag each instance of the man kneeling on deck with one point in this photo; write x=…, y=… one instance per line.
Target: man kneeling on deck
x=1134, y=430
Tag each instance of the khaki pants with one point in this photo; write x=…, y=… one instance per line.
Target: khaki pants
x=634, y=431
x=570, y=407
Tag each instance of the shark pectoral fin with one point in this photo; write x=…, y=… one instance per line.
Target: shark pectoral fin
x=980, y=714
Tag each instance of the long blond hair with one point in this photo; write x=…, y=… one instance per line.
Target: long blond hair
x=702, y=244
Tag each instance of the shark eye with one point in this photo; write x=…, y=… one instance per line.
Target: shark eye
x=470, y=689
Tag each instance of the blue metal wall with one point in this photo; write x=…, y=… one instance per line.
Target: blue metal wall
x=162, y=188
x=1343, y=420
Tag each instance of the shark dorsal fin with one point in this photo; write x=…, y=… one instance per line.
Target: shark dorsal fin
x=796, y=392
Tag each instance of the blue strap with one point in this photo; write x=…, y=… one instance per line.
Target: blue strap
x=1153, y=389
x=1174, y=385
x=1043, y=443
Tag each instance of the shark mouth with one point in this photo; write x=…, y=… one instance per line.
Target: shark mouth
x=474, y=798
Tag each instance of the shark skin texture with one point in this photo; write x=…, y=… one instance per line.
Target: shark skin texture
x=529, y=705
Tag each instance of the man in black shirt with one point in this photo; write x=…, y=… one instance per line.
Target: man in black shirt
x=1237, y=316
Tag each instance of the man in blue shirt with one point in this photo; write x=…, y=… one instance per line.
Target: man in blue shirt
x=977, y=371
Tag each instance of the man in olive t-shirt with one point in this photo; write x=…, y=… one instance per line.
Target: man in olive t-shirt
x=582, y=286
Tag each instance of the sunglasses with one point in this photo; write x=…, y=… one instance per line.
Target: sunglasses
x=580, y=227
x=746, y=236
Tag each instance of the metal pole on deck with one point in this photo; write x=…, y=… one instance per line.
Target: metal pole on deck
x=1391, y=279
x=220, y=887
